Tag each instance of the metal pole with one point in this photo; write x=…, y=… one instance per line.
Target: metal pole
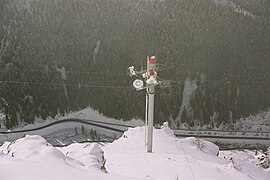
x=150, y=119
x=146, y=119
x=151, y=81
x=146, y=106
x=151, y=96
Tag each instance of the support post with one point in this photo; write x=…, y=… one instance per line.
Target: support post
x=150, y=77
x=151, y=66
x=150, y=119
x=146, y=106
x=146, y=118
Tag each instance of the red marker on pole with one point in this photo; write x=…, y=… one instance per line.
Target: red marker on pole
x=153, y=60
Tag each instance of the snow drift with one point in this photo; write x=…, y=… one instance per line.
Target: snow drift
x=173, y=158
x=33, y=158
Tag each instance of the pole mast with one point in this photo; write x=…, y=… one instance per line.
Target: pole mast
x=146, y=104
x=150, y=76
x=151, y=82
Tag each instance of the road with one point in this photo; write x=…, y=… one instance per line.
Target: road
x=104, y=125
x=227, y=137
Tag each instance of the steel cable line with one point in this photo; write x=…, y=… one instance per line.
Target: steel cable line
x=78, y=72
x=161, y=68
x=221, y=81
x=256, y=81
x=167, y=105
x=181, y=81
x=175, y=83
x=189, y=165
x=63, y=84
x=219, y=67
x=68, y=71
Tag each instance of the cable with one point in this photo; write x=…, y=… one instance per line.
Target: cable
x=166, y=68
x=75, y=72
x=225, y=81
x=63, y=84
x=177, y=83
x=219, y=67
x=124, y=74
x=193, y=176
x=167, y=105
x=71, y=72
x=216, y=80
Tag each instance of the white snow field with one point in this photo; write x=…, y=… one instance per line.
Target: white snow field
x=32, y=158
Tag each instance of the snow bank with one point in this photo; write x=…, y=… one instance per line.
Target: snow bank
x=36, y=148
x=90, y=154
x=172, y=158
x=33, y=158
x=166, y=129
x=246, y=162
x=30, y=147
x=203, y=145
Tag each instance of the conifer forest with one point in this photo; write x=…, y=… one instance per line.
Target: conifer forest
x=59, y=56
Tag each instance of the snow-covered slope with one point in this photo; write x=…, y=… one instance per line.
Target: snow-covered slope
x=244, y=161
x=172, y=158
x=32, y=158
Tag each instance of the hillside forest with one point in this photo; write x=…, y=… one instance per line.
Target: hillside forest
x=61, y=56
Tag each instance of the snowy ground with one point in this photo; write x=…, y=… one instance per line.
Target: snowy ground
x=32, y=158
